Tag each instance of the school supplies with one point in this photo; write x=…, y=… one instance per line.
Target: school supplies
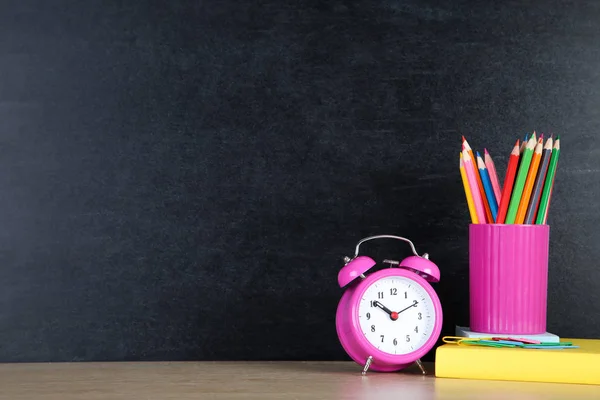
x=531, y=175
x=524, y=196
x=488, y=213
x=576, y=362
x=520, y=182
x=466, y=332
x=468, y=193
x=491, y=167
x=487, y=185
x=509, y=180
x=542, y=214
x=472, y=180
x=508, y=278
x=508, y=342
x=536, y=194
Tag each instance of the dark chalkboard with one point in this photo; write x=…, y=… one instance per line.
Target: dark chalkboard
x=179, y=180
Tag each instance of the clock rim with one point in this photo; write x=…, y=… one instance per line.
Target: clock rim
x=367, y=346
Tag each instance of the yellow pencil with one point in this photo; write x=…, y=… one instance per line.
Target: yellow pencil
x=468, y=194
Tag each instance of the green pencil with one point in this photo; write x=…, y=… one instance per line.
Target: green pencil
x=515, y=198
x=547, y=191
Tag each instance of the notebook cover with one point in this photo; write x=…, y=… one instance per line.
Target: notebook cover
x=580, y=365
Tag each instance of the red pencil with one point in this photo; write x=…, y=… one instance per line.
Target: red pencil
x=509, y=180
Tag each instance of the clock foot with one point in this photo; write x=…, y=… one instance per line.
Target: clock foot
x=421, y=367
x=367, y=365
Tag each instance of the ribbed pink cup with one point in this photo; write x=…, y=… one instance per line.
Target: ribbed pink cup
x=508, y=278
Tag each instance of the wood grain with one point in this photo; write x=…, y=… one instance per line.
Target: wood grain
x=256, y=380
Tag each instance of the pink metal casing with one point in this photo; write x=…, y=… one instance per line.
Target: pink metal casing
x=354, y=342
x=354, y=269
x=423, y=267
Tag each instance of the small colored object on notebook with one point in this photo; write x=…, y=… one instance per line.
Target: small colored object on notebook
x=528, y=341
x=507, y=342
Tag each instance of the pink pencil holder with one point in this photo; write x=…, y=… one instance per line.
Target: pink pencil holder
x=508, y=278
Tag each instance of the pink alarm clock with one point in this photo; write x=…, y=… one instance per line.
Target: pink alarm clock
x=392, y=317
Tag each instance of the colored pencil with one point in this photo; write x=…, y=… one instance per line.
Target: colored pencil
x=486, y=206
x=477, y=199
x=520, y=181
x=536, y=194
x=491, y=167
x=509, y=179
x=523, y=144
x=487, y=185
x=542, y=214
x=468, y=193
x=531, y=175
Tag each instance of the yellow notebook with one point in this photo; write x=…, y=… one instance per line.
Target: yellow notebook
x=580, y=365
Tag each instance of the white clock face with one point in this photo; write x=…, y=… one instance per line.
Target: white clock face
x=396, y=315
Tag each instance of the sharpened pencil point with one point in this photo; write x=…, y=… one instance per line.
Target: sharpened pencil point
x=463, y=138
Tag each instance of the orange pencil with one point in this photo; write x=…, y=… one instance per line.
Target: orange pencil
x=533, y=170
x=486, y=206
x=509, y=180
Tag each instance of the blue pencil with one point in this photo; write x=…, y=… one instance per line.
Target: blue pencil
x=487, y=185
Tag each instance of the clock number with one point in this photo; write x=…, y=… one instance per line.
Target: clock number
x=395, y=342
x=406, y=295
x=420, y=316
x=408, y=338
x=393, y=291
x=372, y=328
x=369, y=315
x=416, y=329
x=381, y=338
x=380, y=295
x=372, y=305
x=415, y=303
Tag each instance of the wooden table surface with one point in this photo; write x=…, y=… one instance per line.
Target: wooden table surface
x=257, y=380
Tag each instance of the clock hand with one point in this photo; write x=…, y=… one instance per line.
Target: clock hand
x=393, y=315
x=412, y=305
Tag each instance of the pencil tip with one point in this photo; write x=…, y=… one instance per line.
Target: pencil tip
x=463, y=138
x=485, y=151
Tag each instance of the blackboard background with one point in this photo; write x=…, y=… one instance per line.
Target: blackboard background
x=180, y=179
